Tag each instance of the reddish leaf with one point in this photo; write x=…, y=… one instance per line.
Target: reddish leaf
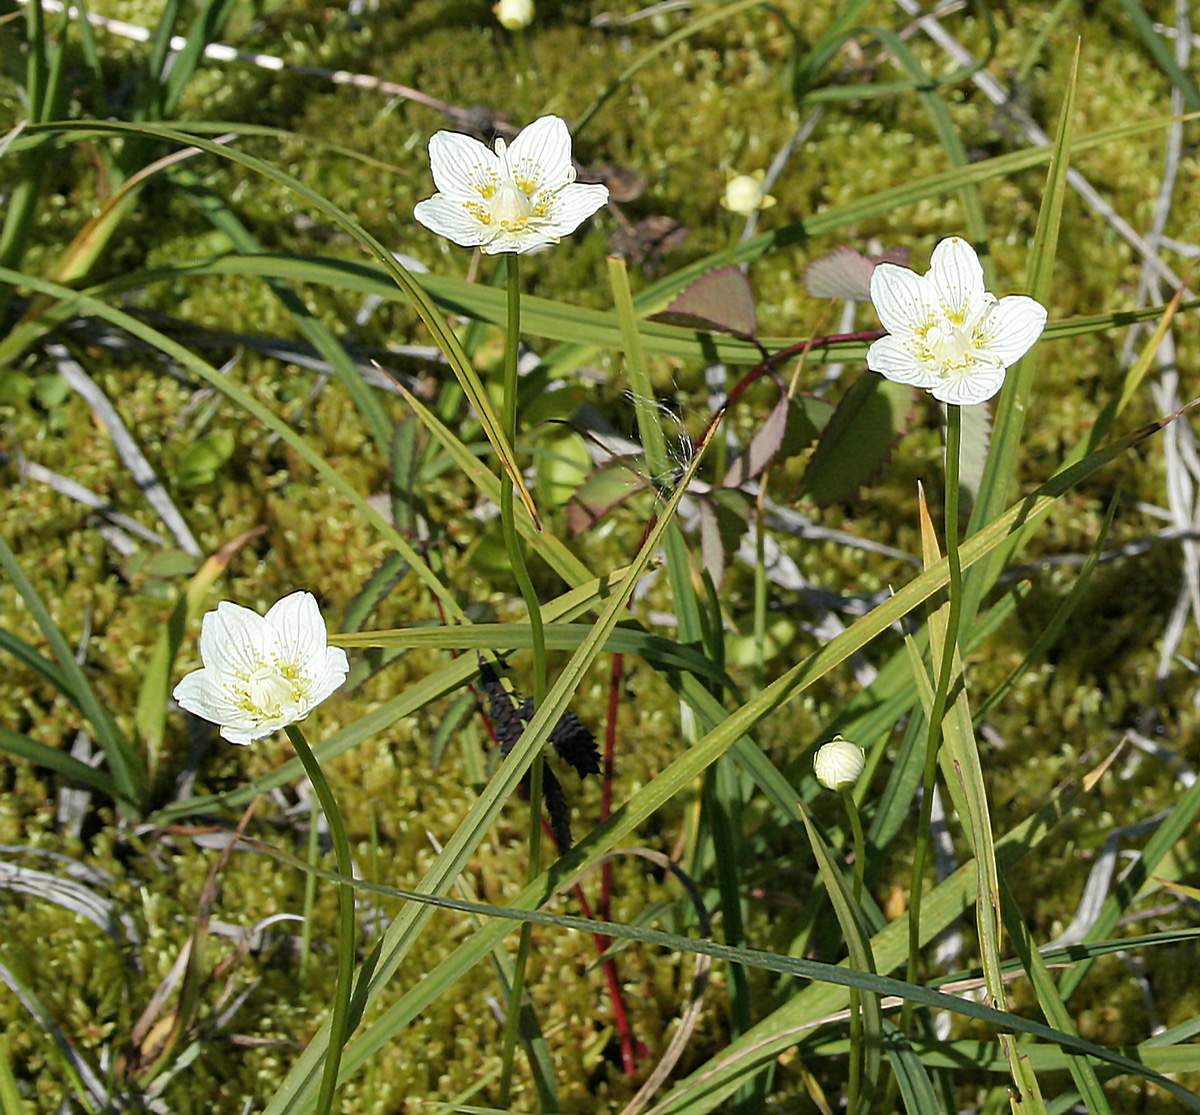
x=719, y=301
x=846, y=274
x=858, y=440
x=763, y=446
x=724, y=515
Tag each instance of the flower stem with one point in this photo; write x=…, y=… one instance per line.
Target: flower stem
x=516, y=559
x=940, y=698
x=339, y=1025
x=860, y=860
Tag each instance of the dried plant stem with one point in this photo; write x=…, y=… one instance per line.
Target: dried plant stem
x=339, y=1024
x=516, y=558
x=940, y=698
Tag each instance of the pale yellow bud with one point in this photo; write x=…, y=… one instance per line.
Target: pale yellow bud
x=839, y=763
x=514, y=14
x=744, y=195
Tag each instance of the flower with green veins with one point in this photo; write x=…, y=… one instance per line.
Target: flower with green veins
x=946, y=333
x=512, y=199
x=262, y=673
x=839, y=763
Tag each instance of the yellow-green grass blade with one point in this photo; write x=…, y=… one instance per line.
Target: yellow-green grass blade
x=311, y=327
x=548, y=546
x=253, y=407
x=1173, y=828
x=657, y=295
x=1050, y=1002
x=858, y=944
x=434, y=686
x=1015, y=397
x=986, y=1057
x=296, y=1092
x=443, y=335
x=540, y=317
x=625, y=639
x=829, y=980
x=126, y=765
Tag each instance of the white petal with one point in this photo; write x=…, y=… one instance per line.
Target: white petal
x=462, y=166
x=206, y=694
x=573, y=205
x=976, y=386
x=450, y=219
x=540, y=157
x=904, y=300
x=328, y=675
x=891, y=358
x=247, y=734
x=1012, y=327
x=300, y=627
x=957, y=275
x=234, y=639
x=523, y=240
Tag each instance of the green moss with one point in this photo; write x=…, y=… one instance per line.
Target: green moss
x=716, y=103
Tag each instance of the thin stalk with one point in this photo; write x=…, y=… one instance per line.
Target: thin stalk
x=310, y=891
x=940, y=699
x=516, y=558
x=339, y=1023
x=854, y=1083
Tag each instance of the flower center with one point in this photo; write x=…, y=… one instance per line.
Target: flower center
x=949, y=346
x=510, y=207
x=271, y=695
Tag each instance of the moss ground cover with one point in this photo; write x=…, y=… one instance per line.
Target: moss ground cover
x=721, y=101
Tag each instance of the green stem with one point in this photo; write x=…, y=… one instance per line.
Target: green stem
x=940, y=698
x=516, y=559
x=339, y=1024
x=854, y=1083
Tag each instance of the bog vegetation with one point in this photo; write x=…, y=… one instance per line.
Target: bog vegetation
x=754, y=384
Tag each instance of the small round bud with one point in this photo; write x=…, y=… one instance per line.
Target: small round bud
x=744, y=195
x=514, y=14
x=839, y=763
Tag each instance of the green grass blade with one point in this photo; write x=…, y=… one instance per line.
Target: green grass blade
x=443, y=335
x=43, y=755
x=1015, y=397
x=314, y=330
x=296, y=1092
x=252, y=406
x=125, y=764
x=1156, y=44
x=916, y=1089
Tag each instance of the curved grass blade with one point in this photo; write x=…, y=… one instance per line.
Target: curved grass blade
x=125, y=764
x=43, y=755
x=252, y=406
x=297, y=1092
x=443, y=335
x=434, y=686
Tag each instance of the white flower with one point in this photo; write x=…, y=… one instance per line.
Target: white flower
x=514, y=14
x=262, y=673
x=508, y=200
x=744, y=194
x=948, y=334
x=838, y=763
